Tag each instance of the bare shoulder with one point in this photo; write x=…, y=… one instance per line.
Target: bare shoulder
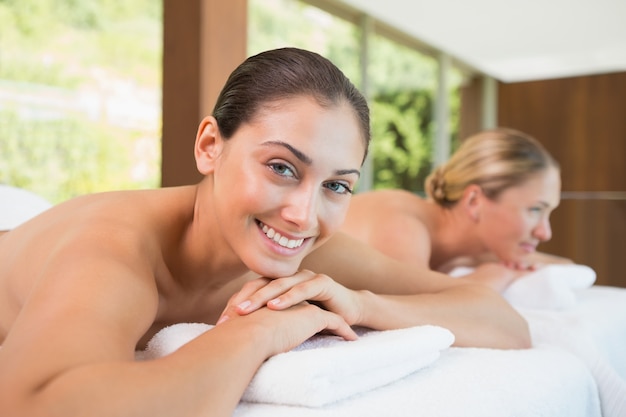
x=393, y=222
x=98, y=254
x=385, y=205
x=395, y=199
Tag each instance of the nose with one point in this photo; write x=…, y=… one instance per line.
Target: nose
x=301, y=208
x=543, y=231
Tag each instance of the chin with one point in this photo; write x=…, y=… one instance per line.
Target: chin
x=275, y=271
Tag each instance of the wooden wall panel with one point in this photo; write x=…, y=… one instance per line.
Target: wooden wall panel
x=582, y=122
x=204, y=40
x=592, y=232
x=471, y=107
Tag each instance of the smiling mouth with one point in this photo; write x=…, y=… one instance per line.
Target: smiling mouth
x=529, y=247
x=277, y=238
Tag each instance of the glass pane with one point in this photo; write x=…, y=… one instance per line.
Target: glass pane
x=403, y=89
x=80, y=87
x=279, y=23
x=402, y=84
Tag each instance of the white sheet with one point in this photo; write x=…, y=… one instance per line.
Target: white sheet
x=543, y=381
x=564, y=310
x=604, y=310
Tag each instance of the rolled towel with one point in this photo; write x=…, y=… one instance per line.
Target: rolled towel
x=326, y=368
x=552, y=287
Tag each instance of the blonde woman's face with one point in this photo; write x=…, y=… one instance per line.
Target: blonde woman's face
x=519, y=219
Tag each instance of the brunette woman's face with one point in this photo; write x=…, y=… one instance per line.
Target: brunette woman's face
x=519, y=219
x=283, y=182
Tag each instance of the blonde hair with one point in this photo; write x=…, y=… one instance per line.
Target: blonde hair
x=493, y=159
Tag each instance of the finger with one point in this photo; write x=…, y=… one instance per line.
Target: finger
x=233, y=306
x=339, y=327
x=317, y=289
x=331, y=322
x=275, y=291
x=298, y=323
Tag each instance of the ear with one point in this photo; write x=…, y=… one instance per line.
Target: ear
x=472, y=201
x=208, y=145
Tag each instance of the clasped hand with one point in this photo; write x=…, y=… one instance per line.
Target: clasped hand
x=336, y=302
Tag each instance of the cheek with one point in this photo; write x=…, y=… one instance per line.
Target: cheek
x=238, y=188
x=333, y=214
x=505, y=229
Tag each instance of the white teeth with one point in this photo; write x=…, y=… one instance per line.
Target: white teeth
x=281, y=240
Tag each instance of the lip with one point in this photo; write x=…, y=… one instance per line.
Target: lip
x=276, y=247
x=528, y=247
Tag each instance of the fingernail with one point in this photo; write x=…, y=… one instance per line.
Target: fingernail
x=274, y=302
x=222, y=320
x=244, y=305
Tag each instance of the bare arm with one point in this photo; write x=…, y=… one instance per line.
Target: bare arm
x=391, y=294
x=71, y=351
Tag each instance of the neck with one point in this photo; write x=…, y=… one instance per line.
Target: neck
x=453, y=235
x=203, y=259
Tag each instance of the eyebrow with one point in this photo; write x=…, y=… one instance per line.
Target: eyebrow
x=306, y=159
x=543, y=203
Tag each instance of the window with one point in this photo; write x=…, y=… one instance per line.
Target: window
x=402, y=83
x=80, y=107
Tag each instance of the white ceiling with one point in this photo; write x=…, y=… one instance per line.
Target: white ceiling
x=515, y=40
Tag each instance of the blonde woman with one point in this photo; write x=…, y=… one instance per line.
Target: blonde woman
x=488, y=207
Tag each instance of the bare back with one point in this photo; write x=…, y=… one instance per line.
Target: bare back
x=95, y=245
x=402, y=218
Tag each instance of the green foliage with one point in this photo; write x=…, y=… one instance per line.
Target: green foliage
x=402, y=83
x=279, y=23
x=402, y=149
x=54, y=52
x=63, y=158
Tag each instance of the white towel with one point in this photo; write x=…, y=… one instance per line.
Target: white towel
x=552, y=287
x=18, y=205
x=327, y=369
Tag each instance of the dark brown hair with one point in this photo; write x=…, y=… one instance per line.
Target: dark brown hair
x=280, y=74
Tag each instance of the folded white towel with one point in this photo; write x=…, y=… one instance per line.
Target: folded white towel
x=552, y=287
x=327, y=368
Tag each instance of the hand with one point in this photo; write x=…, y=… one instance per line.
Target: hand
x=290, y=327
x=497, y=276
x=282, y=293
x=522, y=266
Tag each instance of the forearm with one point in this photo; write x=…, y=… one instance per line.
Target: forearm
x=476, y=315
x=548, y=258
x=205, y=377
